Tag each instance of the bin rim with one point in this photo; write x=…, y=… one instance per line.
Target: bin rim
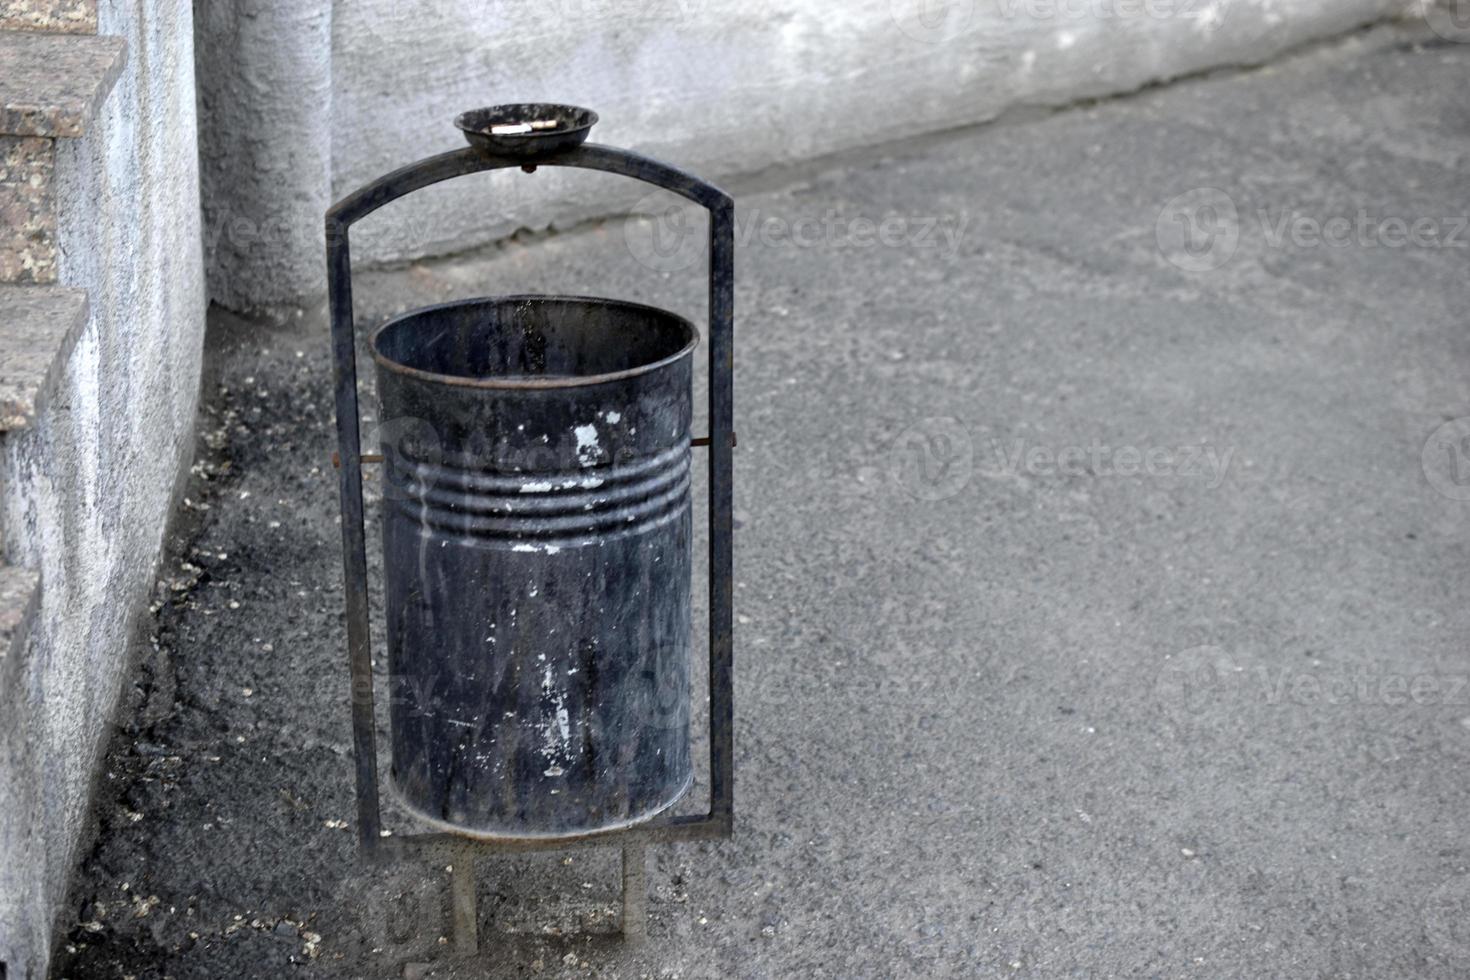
x=530, y=382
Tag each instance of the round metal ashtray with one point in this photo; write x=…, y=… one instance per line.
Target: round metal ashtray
x=526, y=129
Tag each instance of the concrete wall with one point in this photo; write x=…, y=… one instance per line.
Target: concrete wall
x=723, y=89
x=92, y=482
x=265, y=159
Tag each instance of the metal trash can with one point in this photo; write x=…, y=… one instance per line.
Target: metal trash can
x=537, y=533
x=536, y=546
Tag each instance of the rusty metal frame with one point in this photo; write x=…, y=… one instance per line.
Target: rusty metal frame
x=718, y=822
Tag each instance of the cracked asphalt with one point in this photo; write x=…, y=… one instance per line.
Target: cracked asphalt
x=1102, y=497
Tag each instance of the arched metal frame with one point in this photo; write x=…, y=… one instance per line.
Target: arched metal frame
x=589, y=156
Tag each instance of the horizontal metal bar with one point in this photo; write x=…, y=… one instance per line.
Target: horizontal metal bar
x=364, y=458
x=699, y=441
x=458, y=163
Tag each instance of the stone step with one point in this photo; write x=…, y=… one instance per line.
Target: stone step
x=67, y=16
x=50, y=87
x=28, y=250
x=39, y=325
x=52, y=84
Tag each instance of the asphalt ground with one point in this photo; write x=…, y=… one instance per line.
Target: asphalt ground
x=1101, y=498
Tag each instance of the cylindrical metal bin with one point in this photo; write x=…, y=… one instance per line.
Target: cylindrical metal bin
x=536, y=541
